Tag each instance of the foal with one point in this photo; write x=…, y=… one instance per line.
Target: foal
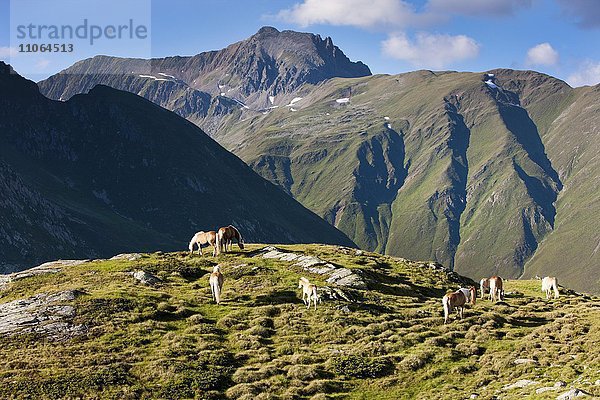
x=550, y=283
x=216, y=283
x=309, y=292
x=458, y=300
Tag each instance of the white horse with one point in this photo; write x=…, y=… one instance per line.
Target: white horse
x=457, y=300
x=201, y=238
x=484, y=286
x=309, y=292
x=216, y=284
x=496, y=289
x=550, y=283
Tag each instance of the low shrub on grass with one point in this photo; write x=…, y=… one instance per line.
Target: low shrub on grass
x=361, y=367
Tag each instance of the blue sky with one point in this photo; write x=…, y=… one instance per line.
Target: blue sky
x=558, y=37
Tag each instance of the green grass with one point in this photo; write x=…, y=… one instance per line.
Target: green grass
x=172, y=341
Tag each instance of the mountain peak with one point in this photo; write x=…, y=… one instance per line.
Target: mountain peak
x=267, y=30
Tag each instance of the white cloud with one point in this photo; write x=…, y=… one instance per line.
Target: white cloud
x=478, y=7
x=393, y=13
x=542, y=54
x=359, y=13
x=587, y=74
x=430, y=50
x=7, y=52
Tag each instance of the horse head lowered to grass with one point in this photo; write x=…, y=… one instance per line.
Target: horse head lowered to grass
x=457, y=300
x=225, y=237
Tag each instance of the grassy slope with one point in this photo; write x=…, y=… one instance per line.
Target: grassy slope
x=172, y=342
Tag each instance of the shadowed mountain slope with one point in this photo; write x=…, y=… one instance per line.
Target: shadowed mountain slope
x=109, y=171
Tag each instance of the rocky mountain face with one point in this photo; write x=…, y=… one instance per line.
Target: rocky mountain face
x=108, y=172
x=485, y=172
x=211, y=88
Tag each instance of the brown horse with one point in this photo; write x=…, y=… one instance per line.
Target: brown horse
x=458, y=300
x=201, y=238
x=225, y=238
x=496, y=289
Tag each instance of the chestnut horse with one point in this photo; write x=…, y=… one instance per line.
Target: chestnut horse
x=496, y=289
x=225, y=238
x=201, y=238
x=458, y=300
x=216, y=284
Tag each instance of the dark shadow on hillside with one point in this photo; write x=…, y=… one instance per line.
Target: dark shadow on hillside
x=381, y=172
x=528, y=322
x=460, y=137
x=278, y=297
x=541, y=193
x=399, y=286
x=517, y=121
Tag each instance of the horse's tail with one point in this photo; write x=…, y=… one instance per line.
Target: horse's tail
x=218, y=243
x=216, y=290
x=446, y=304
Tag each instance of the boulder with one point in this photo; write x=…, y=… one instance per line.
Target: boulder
x=127, y=256
x=146, y=278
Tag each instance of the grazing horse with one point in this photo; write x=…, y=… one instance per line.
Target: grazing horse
x=550, y=283
x=216, y=284
x=457, y=300
x=226, y=236
x=201, y=238
x=309, y=292
x=484, y=286
x=496, y=289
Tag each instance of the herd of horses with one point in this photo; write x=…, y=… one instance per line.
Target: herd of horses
x=222, y=241
x=494, y=287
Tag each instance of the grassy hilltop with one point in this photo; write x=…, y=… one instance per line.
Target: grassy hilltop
x=388, y=341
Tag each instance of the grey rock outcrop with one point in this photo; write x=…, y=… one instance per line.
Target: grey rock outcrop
x=45, y=314
x=339, y=276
